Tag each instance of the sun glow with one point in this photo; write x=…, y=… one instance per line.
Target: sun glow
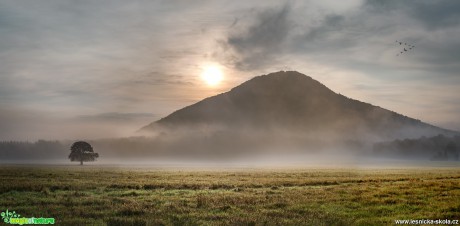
x=212, y=75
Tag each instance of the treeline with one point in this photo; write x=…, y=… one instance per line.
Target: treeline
x=227, y=144
x=39, y=150
x=437, y=148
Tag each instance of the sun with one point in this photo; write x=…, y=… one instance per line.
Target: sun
x=212, y=75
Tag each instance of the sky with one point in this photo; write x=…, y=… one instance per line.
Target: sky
x=95, y=69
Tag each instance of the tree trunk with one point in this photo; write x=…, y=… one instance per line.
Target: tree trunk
x=81, y=162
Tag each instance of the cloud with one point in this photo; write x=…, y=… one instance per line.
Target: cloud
x=74, y=58
x=235, y=21
x=92, y=56
x=360, y=41
x=432, y=15
x=32, y=124
x=331, y=23
x=258, y=44
x=115, y=117
x=363, y=39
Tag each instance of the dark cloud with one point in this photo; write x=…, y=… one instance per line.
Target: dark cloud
x=370, y=30
x=378, y=6
x=261, y=41
x=433, y=26
x=332, y=34
x=437, y=14
x=432, y=15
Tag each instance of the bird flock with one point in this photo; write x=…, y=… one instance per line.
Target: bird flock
x=405, y=48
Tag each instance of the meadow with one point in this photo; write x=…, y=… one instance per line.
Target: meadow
x=92, y=195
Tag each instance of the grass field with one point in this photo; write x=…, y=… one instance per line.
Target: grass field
x=91, y=195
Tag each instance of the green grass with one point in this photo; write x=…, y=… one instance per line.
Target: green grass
x=122, y=196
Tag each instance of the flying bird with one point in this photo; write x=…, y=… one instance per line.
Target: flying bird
x=405, y=49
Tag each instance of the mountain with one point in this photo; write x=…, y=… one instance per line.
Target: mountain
x=291, y=102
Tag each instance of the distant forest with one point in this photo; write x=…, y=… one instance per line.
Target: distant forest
x=124, y=148
x=40, y=150
x=437, y=148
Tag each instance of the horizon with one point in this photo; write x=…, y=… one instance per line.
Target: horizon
x=98, y=71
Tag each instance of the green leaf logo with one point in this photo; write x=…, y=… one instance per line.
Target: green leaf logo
x=7, y=215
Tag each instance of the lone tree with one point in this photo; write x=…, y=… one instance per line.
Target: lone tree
x=82, y=152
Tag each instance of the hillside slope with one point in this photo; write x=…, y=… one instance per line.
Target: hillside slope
x=291, y=101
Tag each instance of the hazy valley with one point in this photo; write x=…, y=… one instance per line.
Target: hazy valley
x=284, y=114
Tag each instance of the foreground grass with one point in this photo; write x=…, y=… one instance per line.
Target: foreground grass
x=110, y=196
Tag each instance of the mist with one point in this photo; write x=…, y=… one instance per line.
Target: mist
x=214, y=148
x=253, y=122
x=32, y=125
x=126, y=78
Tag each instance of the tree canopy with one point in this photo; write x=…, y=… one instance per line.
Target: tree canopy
x=82, y=151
